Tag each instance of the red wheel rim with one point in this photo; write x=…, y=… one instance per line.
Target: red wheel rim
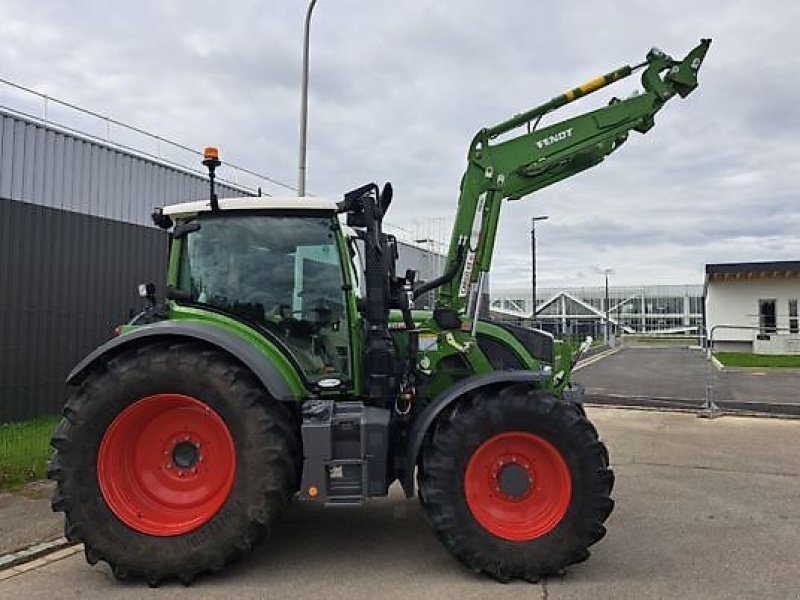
x=166, y=464
x=517, y=486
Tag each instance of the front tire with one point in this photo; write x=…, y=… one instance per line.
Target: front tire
x=515, y=483
x=172, y=460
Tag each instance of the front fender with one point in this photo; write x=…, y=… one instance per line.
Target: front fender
x=432, y=411
x=274, y=382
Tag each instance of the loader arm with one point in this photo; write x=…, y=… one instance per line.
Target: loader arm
x=514, y=167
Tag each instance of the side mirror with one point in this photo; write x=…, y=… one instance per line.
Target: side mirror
x=148, y=292
x=386, y=197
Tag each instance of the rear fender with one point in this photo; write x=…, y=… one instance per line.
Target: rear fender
x=429, y=415
x=250, y=356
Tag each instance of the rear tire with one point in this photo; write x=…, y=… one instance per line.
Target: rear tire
x=515, y=483
x=172, y=460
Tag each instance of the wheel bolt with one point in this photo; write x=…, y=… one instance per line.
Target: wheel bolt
x=169, y=465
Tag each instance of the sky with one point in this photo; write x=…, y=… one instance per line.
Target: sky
x=398, y=90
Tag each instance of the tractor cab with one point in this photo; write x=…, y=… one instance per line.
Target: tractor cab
x=275, y=264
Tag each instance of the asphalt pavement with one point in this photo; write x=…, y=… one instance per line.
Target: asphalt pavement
x=705, y=509
x=26, y=518
x=682, y=377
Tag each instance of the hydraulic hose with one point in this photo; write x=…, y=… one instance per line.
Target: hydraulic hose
x=446, y=276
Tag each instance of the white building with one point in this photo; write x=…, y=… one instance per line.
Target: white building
x=752, y=307
x=580, y=311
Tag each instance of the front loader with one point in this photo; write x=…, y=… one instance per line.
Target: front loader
x=288, y=361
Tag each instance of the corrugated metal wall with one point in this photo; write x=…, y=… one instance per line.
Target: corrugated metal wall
x=75, y=240
x=66, y=280
x=45, y=166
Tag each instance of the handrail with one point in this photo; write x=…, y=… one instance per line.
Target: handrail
x=109, y=121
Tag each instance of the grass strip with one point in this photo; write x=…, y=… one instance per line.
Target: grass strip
x=25, y=450
x=745, y=359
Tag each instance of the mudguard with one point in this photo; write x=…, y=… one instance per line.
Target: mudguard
x=231, y=344
x=429, y=414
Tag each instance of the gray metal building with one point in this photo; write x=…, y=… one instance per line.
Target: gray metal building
x=75, y=239
x=427, y=262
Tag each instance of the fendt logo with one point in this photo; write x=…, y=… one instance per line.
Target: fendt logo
x=556, y=137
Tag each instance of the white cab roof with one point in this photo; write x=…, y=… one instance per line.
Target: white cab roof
x=251, y=203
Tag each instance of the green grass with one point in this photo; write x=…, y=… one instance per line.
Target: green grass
x=744, y=359
x=24, y=450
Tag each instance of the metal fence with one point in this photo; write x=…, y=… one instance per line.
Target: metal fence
x=711, y=408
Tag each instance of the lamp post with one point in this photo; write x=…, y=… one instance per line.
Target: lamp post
x=606, y=332
x=301, y=169
x=533, y=265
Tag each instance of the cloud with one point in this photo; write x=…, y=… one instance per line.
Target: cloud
x=399, y=89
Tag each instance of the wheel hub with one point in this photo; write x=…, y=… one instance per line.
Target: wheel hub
x=185, y=454
x=514, y=481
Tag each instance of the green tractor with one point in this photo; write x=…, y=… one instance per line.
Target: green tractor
x=288, y=361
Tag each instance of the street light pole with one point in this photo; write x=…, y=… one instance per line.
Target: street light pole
x=301, y=169
x=533, y=265
x=606, y=332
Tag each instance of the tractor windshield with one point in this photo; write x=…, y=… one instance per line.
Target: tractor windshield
x=281, y=272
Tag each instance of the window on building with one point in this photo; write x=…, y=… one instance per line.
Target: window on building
x=793, y=322
x=766, y=315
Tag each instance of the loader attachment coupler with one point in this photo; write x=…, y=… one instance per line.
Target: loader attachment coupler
x=683, y=76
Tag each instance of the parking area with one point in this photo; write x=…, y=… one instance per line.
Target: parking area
x=705, y=509
x=680, y=378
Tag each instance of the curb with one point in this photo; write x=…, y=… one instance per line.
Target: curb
x=694, y=405
x=596, y=357
x=39, y=555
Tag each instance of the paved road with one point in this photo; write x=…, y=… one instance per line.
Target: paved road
x=26, y=518
x=705, y=509
x=680, y=377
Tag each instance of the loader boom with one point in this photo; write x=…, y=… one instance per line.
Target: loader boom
x=514, y=167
